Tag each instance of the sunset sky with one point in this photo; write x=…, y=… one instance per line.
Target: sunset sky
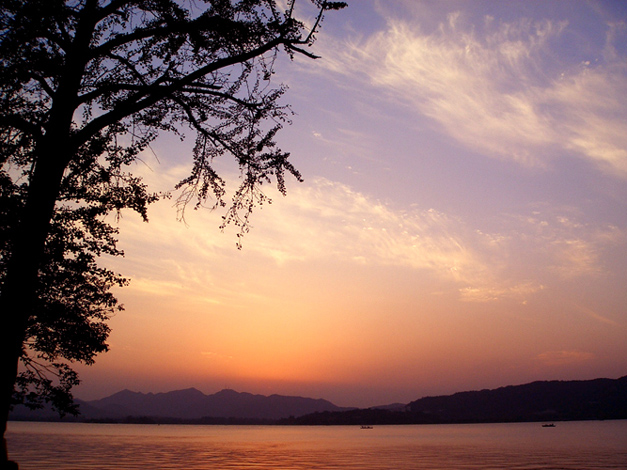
x=462, y=224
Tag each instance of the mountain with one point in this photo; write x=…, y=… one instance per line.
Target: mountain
x=183, y=404
x=192, y=404
x=536, y=401
x=189, y=405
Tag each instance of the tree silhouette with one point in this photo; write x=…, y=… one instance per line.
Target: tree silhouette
x=86, y=85
x=72, y=299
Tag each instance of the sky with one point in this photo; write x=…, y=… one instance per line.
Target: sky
x=462, y=223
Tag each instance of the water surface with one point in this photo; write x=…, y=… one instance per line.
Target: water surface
x=529, y=446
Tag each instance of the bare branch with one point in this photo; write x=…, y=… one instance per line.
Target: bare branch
x=293, y=48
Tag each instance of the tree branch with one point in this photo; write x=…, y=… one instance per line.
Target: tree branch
x=113, y=6
x=21, y=124
x=44, y=84
x=226, y=96
x=210, y=135
x=291, y=47
x=152, y=94
x=121, y=39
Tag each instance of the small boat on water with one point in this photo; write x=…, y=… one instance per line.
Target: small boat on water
x=366, y=427
x=548, y=425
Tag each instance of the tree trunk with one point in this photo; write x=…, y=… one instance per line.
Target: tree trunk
x=52, y=155
x=20, y=284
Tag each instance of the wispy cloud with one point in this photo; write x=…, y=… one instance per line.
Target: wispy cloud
x=519, y=292
x=564, y=357
x=484, y=85
x=563, y=245
x=595, y=315
x=216, y=356
x=327, y=220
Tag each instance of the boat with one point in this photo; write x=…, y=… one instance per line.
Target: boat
x=548, y=425
x=366, y=427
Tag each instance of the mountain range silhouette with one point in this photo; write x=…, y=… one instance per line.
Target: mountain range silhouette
x=536, y=401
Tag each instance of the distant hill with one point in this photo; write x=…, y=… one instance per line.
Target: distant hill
x=193, y=404
x=190, y=405
x=537, y=401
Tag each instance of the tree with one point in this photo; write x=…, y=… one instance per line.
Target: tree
x=86, y=85
x=72, y=300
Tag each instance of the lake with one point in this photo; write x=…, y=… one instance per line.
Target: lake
x=528, y=446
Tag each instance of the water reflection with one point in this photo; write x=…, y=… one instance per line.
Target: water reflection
x=590, y=445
